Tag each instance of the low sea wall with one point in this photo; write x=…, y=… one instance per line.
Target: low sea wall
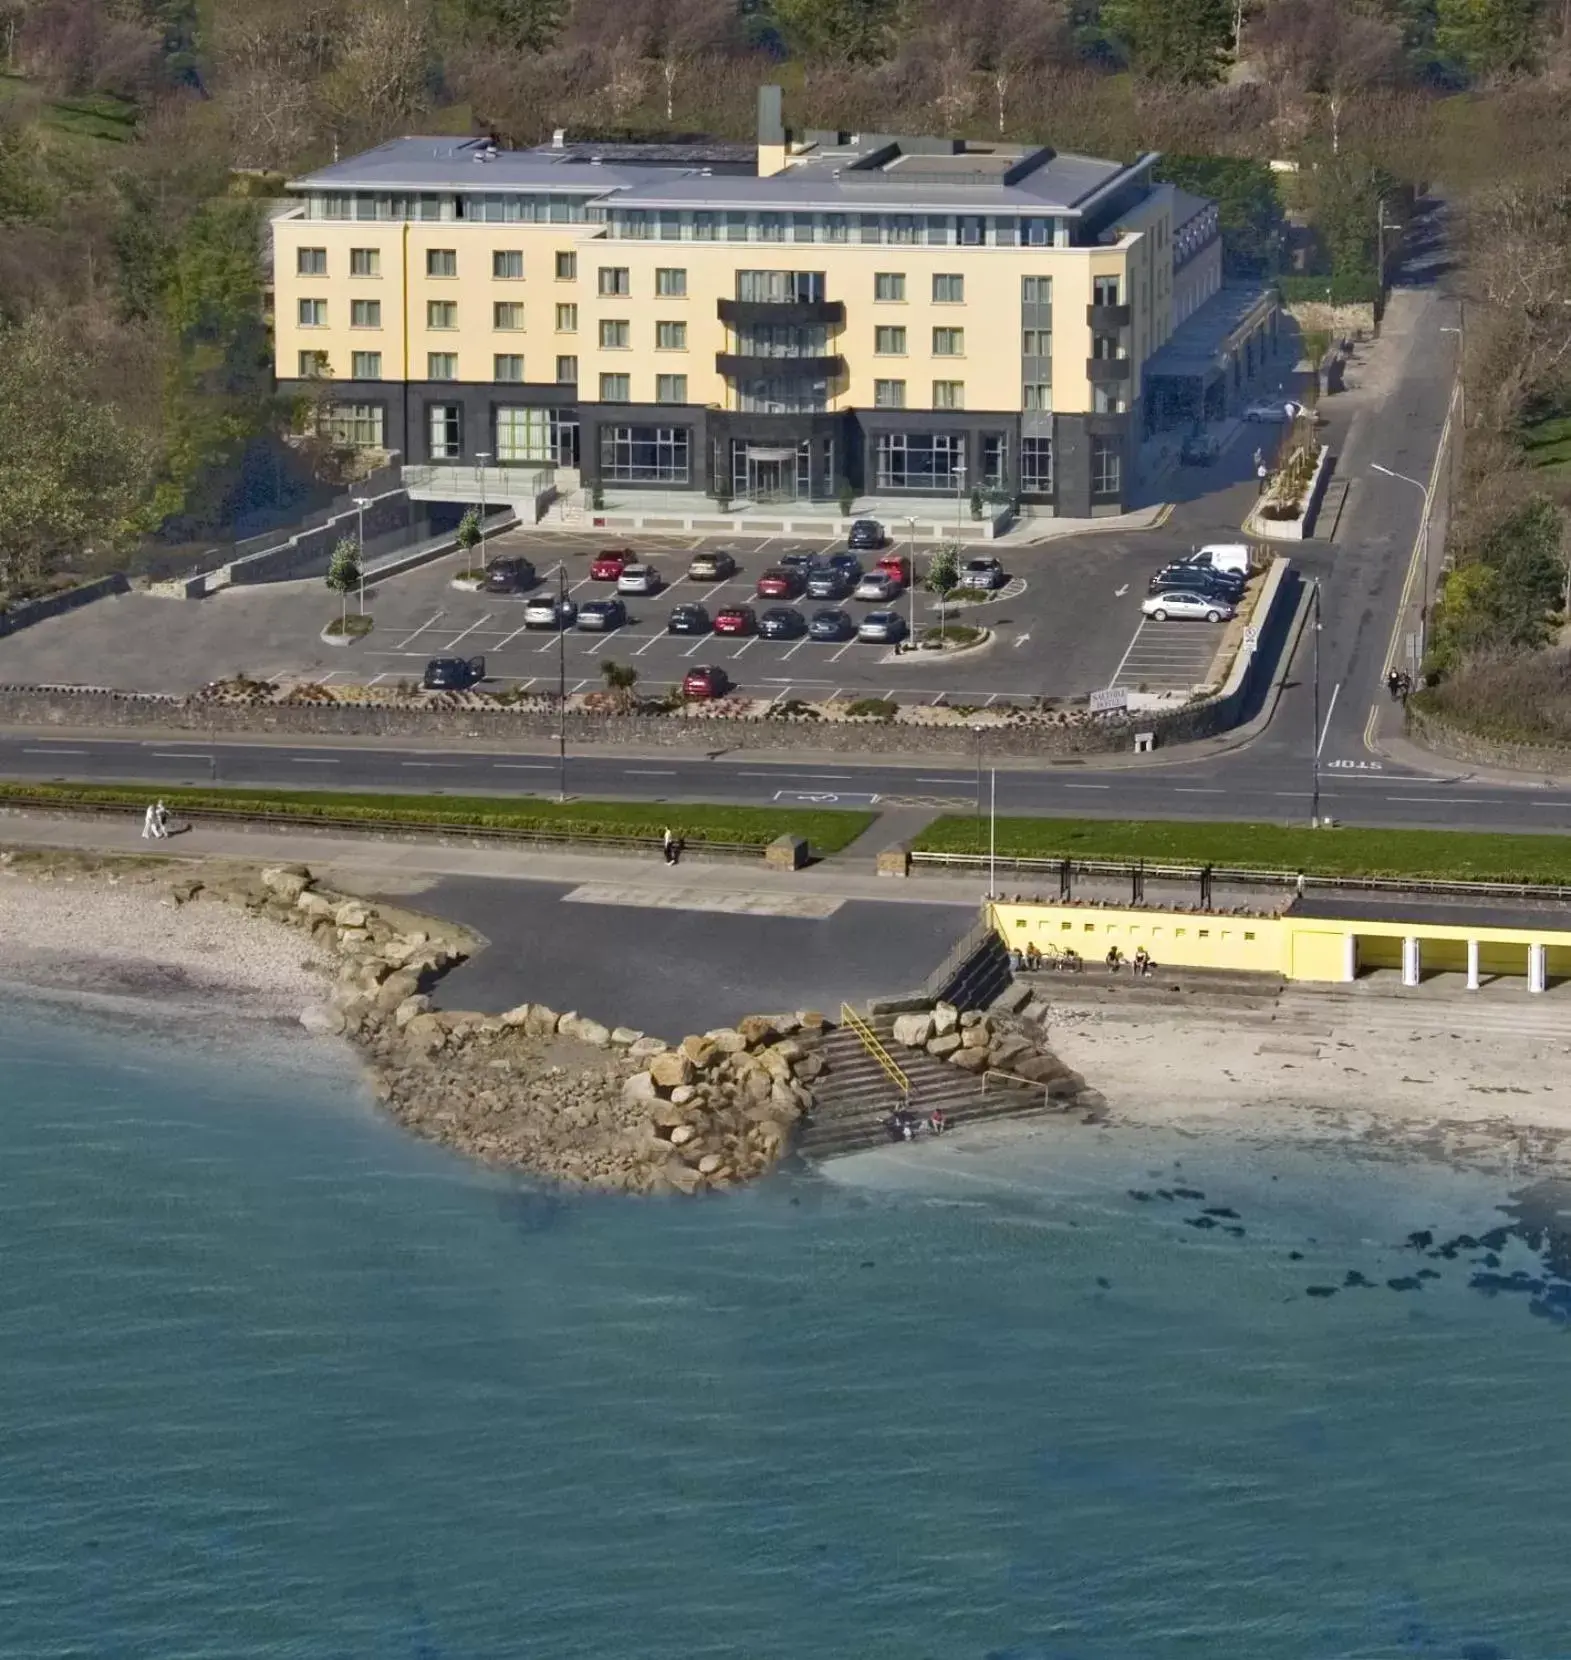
x=1456, y=743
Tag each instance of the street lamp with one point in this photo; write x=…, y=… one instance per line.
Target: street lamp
x=992, y=835
x=481, y=457
x=911, y=595
x=960, y=494
x=978, y=731
x=362, y=502
x=1423, y=531
x=1314, y=735
x=561, y=683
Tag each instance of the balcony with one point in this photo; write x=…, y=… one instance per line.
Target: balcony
x=1102, y=371
x=778, y=368
x=745, y=313
x=1106, y=319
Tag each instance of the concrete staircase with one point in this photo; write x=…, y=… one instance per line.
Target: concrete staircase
x=854, y=1096
x=1188, y=988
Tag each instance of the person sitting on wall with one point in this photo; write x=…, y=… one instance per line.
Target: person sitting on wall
x=1115, y=959
x=1142, y=962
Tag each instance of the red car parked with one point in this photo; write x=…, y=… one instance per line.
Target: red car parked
x=706, y=681
x=609, y=565
x=897, y=566
x=736, y=619
x=779, y=583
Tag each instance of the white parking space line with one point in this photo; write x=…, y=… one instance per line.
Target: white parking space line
x=551, y=644
x=578, y=687
x=650, y=772
x=503, y=644
x=1088, y=786
x=1192, y=789
x=796, y=648
x=430, y=622
x=842, y=651
x=654, y=640
x=697, y=645
x=746, y=645
x=451, y=644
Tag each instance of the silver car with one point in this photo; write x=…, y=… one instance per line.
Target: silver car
x=982, y=574
x=878, y=586
x=882, y=628
x=1185, y=604
x=638, y=579
x=547, y=611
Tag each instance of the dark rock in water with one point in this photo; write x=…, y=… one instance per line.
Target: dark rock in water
x=1237, y=1233
x=868, y=1265
x=1420, y=1241
x=1408, y=1283
x=1222, y=1210
x=1465, y=1242
x=1549, y=1311
x=1557, y=1291
x=1106, y=1285
x=1490, y=1260
x=1446, y=1251
x=1137, y=1193
x=1162, y=1193
x=1428, y=1274
x=531, y=1211
x=1355, y=1278
x=1490, y=1284
x=1320, y=1290
x=1198, y=1222
x=1295, y=1256
x=1188, y=1193
x=1481, y=1651
x=1495, y=1239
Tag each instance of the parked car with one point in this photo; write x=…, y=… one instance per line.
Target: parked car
x=736, y=619
x=706, y=681
x=1199, y=449
x=826, y=582
x=510, y=575
x=866, y=534
x=1198, y=579
x=1274, y=409
x=878, y=586
x=779, y=583
x=831, y=625
x=638, y=579
x=783, y=622
x=1182, y=605
x=897, y=566
x=608, y=565
x=983, y=575
x=602, y=615
x=711, y=567
x=882, y=628
x=688, y=619
x=847, y=562
x=800, y=562
x=453, y=674
x=550, y=611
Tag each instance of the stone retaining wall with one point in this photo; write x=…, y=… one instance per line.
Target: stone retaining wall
x=38, y=610
x=1458, y=744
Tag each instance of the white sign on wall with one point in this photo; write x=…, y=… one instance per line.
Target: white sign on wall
x=1109, y=700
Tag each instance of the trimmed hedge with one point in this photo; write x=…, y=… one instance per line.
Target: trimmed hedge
x=1344, y=290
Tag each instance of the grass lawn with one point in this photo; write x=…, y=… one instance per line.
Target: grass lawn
x=1440, y=855
x=827, y=830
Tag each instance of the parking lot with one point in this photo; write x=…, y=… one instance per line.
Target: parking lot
x=1062, y=626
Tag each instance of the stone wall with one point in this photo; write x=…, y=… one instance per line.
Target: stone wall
x=1456, y=743
x=32, y=611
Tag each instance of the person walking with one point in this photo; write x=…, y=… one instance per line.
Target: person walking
x=161, y=821
x=149, y=823
x=668, y=845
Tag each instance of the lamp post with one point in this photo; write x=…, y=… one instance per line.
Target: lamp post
x=978, y=731
x=1314, y=736
x=911, y=592
x=1423, y=531
x=992, y=835
x=561, y=683
x=481, y=457
x=362, y=503
x=960, y=494
x=1457, y=438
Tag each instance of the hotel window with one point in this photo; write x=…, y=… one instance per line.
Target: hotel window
x=567, y=371
x=949, y=394
x=1036, y=233
x=1036, y=342
x=889, y=285
x=1036, y=466
x=938, y=234
x=704, y=226
x=441, y=314
x=889, y=394
x=780, y=287
x=507, y=314
x=1036, y=395
x=670, y=388
x=671, y=337
x=441, y=366
x=837, y=227
x=948, y=288
x=366, y=365
x=313, y=365
x=507, y=264
x=365, y=314
x=441, y=262
x=889, y=342
x=1107, y=466
x=801, y=227
x=311, y=262
x=1104, y=291
x=365, y=262
x=1106, y=400
x=995, y=460
x=670, y=227
x=736, y=227
x=615, y=334
x=313, y=314
x=535, y=435
x=949, y=342
x=644, y=455
x=973, y=231
x=507, y=366
x=445, y=431
x=567, y=319
x=614, y=279
x=871, y=228
x=919, y=460
x=354, y=425
x=615, y=389
x=771, y=227
x=567, y=267
x=902, y=228
x=671, y=282
x=1036, y=291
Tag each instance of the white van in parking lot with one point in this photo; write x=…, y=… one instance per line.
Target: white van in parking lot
x=1222, y=556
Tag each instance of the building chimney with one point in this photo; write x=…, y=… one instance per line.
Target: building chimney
x=771, y=124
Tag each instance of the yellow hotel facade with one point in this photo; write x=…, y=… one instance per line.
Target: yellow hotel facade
x=786, y=321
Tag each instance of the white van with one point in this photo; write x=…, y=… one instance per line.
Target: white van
x=1232, y=557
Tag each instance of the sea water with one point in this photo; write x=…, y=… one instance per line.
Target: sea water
x=278, y=1381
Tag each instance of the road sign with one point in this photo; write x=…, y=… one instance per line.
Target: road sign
x=1251, y=636
x=1109, y=700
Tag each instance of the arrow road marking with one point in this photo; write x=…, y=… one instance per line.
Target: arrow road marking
x=1118, y=593
x=1021, y=640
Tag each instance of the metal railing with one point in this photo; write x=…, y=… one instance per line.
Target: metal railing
x=871, y=1042
x=1244, y=876
x=960, y=954
x=994, y=1073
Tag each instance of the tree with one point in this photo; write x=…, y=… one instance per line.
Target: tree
x=525, y=25
x=1324, y=50
x=1173, y=40
x=1489, y=37
x=620, y=679
x=1249, y=207
x=943, y=575
x=852, y=31
x=468, y=536
x=343, y=575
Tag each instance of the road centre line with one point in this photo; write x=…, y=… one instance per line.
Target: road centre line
x=1195, y=789
x=523, y=766
x=428, y=763
x=1088, y=786
x=649, y=772
x=1446, y=800
x=314, y=760
x=55, y=752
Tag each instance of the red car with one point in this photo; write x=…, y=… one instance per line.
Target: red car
x=609, y=565
x=897, y=566
x=706, y=681
x=779, y=583
x=736, y=619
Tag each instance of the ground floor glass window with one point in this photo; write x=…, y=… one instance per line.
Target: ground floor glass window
x=920, y=460
x=444, y=426
x=644, y=455
x=995, y=461
x=1036, y=466
x=548, y=436
x=1107, y=466
x=357, y=426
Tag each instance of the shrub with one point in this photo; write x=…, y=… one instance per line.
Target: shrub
x=874, y=708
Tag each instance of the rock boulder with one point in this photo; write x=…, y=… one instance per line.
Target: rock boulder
x=946, y=1019
x=915, y=1031
x=671, y=1069
x=946, y=1045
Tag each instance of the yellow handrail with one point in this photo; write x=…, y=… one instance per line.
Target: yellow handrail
x=870, y=1042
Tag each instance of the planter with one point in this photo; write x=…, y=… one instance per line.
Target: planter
x=347, y=633
x=1302, y=523
x=467, y=584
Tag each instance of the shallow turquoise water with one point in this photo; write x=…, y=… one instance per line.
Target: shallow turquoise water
x=277, y=1381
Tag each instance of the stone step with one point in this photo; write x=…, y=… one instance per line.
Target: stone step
x=830, y=1139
